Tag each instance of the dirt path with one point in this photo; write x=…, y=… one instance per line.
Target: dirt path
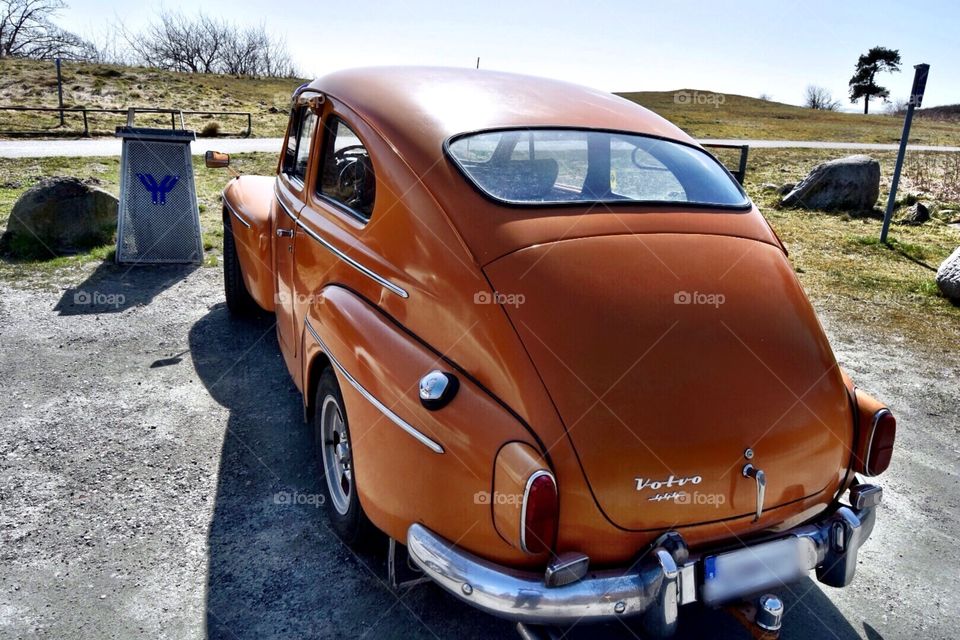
x=148, y=444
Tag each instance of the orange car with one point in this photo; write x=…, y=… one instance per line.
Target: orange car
x=548, y=343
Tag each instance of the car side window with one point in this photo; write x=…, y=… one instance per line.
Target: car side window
x=346, y=172
x=302, y=125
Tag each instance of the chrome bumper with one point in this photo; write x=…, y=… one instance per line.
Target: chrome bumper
x=663, y=580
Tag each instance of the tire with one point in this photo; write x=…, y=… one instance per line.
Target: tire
x=331, y=439
x=239, y=300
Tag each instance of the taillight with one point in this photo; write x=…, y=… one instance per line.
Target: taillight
x=538, y=528
x=876, y=431
x=880, y=446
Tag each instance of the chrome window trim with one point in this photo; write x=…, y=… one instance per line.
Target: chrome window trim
x=386, y=284
x=523, y=508
x=236, y=215
x=397, y=420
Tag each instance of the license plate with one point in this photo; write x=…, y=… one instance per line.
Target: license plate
x=730, y=575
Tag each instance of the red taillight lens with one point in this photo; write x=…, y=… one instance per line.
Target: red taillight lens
x=539, y=518
x=880, y=447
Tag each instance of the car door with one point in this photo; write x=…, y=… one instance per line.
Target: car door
x=339, y=205
x=292, y=185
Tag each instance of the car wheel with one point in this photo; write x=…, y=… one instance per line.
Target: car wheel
x=331, y=436
x=239, y=300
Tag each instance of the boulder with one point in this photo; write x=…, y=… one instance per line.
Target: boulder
x=786, y=188
x=851, y=183
x=948, y=276
x=917, y=214
x=60, y=216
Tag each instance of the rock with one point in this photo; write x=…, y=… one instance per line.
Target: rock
x=948, y=276
x=918, y=214
x=768, y=186
x=851, y=183
x=58, y=216
x=786, y=188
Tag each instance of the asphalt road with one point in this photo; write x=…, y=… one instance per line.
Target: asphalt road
x=148, y=441
x=103, y=147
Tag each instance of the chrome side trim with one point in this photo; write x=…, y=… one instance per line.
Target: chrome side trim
x=236, y=215
x=523, y=508
x=386, y=284
x=385, y=410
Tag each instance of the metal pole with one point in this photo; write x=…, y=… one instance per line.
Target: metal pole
x=60, y=90
x=916, y=97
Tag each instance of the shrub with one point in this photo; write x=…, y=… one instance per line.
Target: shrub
x=210, y=130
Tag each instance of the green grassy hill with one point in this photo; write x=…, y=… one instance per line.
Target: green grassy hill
x=34, y=83
x=734, y=116
x=700, y=113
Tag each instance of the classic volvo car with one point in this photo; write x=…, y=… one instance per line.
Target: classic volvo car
x=547, y=342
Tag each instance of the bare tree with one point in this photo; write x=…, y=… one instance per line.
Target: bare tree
x=766, y=97
x=207, y=45
x=179, y=43
x=27, y=31
x=815, y=97
x=897, y=106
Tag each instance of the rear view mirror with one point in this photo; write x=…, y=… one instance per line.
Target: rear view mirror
x=216, y=160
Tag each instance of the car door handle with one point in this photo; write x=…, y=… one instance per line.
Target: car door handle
x=284, y=233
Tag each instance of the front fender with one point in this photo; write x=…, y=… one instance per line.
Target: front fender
x=401, y=477
x=248, y=208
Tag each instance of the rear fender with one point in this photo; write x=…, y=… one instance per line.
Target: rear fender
x=401, y=477
x=248, y=203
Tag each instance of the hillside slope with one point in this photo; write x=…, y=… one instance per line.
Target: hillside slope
x=34, y=83
x=703, y=114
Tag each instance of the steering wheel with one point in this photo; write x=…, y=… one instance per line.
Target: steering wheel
x=352, y=179
x=348, y=152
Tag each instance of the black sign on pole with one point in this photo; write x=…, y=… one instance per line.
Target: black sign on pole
x=916, y=98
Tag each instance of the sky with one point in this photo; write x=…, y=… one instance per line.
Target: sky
x=747, y=48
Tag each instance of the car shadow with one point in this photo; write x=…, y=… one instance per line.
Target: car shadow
x=276, y=570
x=114, y=288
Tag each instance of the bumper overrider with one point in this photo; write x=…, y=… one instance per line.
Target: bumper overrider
x=666, y=577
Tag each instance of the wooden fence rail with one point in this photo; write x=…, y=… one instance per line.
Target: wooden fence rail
x=85, y=112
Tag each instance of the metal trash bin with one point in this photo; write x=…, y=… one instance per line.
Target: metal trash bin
x=159, y=220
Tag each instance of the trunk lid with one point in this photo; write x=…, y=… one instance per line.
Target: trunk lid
x=667, y=357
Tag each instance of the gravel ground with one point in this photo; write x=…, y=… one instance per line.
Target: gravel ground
x=150, y=446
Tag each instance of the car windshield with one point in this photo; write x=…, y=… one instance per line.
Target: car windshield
x=561, y=166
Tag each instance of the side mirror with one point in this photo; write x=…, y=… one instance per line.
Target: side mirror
x=216, y=160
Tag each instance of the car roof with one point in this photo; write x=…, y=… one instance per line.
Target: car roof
x=417, y=109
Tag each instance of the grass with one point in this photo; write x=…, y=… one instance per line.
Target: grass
x=705, y=114
x=702, y=114
x=17, y=175
x=844, y=267
x=33, y=83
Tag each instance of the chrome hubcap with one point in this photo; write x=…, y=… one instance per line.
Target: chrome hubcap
x=337, y=463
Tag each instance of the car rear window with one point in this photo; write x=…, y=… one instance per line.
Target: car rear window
x=562, y=166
